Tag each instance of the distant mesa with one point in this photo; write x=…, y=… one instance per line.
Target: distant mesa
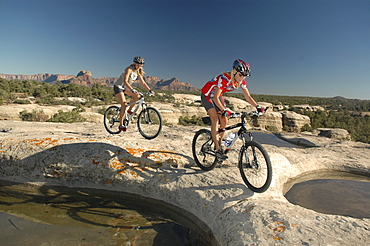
x=85, y=78
x=84, y=73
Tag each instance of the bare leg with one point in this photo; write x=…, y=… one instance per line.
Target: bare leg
x=223, y=123
x=122, y=100
x=135, y=97
x=214, y=127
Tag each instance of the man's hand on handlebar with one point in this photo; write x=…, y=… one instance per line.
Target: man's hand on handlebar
x=260, y=110
x=226, y=113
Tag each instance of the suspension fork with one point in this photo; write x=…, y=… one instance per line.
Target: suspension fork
x=255, y=159
x=146, y=113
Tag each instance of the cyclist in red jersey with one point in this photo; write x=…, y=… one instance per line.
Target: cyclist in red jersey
x=215, y=105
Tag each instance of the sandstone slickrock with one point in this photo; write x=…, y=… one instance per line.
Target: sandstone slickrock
x=273, y=121
x=84, y=155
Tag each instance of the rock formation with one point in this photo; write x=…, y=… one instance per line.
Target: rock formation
x=85, y=78
x=333, y=133
x=272, y=121
x=42, y=77
x=293, y=121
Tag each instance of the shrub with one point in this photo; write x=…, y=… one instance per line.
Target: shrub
x=194, y=120
x=33, y=116
x=47, y=100
x=272, y=128
x=306, y=128
x=79, y=108
x=102, y=110
x=22, y=101
x=67, y=117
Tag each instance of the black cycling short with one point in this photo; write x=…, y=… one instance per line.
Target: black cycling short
x=118, y=89
x=207, y=104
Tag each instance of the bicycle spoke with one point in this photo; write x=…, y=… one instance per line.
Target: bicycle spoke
x=149, y=123
x=203, y=150
x=255, y=167
x=111, y=119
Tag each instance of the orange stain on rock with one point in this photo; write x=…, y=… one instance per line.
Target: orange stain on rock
x=277, y=230
x=43, y=142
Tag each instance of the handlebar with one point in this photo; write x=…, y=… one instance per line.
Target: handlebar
x=145, y=94
x=245, y=114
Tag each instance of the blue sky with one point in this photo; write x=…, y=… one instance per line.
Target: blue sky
x=296, y=48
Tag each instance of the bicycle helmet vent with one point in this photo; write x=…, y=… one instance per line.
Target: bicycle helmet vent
x=139, y=60
x=242, y=67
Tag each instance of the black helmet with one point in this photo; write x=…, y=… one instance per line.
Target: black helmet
x=242, y=67
x=139, y=60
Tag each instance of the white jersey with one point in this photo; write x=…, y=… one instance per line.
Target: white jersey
x=131, y=78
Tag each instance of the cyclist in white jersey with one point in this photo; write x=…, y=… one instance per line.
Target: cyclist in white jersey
x=124, y=86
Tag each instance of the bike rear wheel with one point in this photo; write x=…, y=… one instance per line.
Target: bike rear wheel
x=111, y=119
x=203, y=150
x=149, y=123
x=255, y=166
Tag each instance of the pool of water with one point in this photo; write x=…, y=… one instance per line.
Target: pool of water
x=336, y=193
x=65, y=216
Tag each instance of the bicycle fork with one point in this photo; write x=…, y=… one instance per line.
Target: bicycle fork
x=251, y=163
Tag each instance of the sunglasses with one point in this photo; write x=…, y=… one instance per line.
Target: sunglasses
x=246, y=74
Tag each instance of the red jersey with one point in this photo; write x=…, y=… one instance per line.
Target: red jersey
x=222, y=81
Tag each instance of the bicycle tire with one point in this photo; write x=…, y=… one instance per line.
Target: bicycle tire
x=203, y=150
x=255, y=166
x=111, y=119
x=149, y=123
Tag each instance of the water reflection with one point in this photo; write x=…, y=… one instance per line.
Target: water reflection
x=332, y=193
x=59, y=214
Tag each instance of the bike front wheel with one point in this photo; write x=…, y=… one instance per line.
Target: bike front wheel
x=255, y=166
x=203, y=150
x=111, y=119
x=149, y=123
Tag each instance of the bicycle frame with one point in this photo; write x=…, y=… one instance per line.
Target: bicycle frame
x=242, y=131
x=141, y=102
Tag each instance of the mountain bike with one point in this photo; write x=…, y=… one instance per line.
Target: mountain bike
x=253, y=161
x=149, y=120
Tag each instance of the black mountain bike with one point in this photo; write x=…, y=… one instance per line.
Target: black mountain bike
x=149, y=120
x=253, y=162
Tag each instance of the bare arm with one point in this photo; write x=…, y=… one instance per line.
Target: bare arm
x=142, y=81
x=127, y=74
x=216, y=99
x=249, y=98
